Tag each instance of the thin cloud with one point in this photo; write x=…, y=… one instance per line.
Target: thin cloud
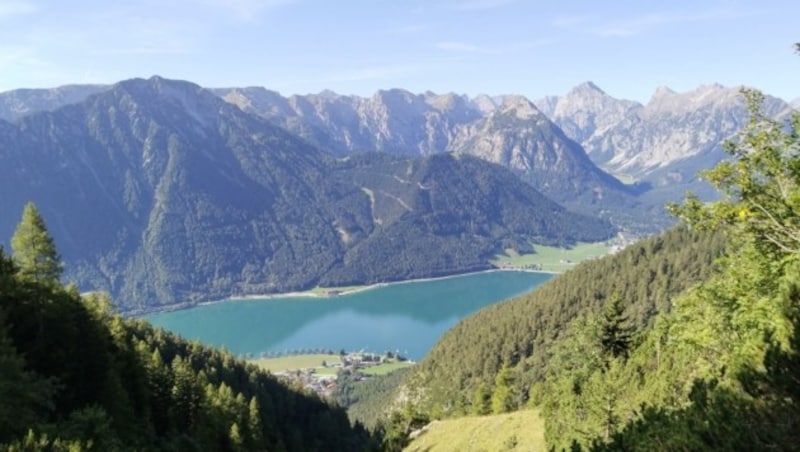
x=382, y=72
x=645, y=23
x=570, y=21
x=135, y=31
x=248, y=9
x=411, y=29
x=160, y=49
x=465, y=47
x=16, y=8
x=479, y=5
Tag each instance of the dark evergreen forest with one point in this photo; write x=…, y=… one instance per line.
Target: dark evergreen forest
x=76, y=376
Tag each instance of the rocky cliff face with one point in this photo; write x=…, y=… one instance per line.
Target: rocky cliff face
x=21, y=102
x=664, y=142
x=519, y=136
x=508, y=130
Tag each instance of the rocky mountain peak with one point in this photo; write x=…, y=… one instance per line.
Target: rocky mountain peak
x=485, y=103
x=22, y=102
x=328, y=94
x=184, y=97
x=587, y=88
x=446, y=102
x=519, y=107
x=662, y=92
x=666, y=101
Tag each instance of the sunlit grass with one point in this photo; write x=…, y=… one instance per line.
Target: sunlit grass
x=296, y=362
x=553, y=259
x=518, y=431
x=383, y=369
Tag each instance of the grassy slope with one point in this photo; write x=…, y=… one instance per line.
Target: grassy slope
x=386, y=368
x=295, y=362
x=519, y=431
x=552, y=258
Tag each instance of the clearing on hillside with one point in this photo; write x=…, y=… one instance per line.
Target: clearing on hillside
x=552, y=259
x=518, y=431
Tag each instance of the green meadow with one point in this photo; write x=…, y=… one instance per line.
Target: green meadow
x=520, y=431
x=552, y=259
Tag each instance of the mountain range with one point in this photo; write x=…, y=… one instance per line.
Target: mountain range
x=663, y=143
x=160, y=192
x=508, y=130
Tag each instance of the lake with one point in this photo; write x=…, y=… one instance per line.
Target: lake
x=407, y=317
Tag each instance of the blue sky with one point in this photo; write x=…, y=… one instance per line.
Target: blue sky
x=532, y=47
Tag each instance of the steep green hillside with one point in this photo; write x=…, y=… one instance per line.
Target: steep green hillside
x=442, y=213
x=523, y=333
x=74, y=376
x=161, y=193
x=672, y=353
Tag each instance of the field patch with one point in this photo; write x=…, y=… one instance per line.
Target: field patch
x=518, y=431
x=386, y=368
x=298, y=362
x=550, y=258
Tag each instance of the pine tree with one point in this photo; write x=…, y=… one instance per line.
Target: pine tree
x=254, y=423
x=482, y=400
x=615, y=331
x=34, y=251
x=504, y=396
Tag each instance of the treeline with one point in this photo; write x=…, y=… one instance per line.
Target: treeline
x=688, y=341
x=368, y=401
x=75, y=376
x=719, y=371
x=521, y=335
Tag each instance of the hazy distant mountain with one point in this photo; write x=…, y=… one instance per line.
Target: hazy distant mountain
x=20, y=102
x=393, y=121
x=586, y=110
x=519, y=136
x=160, y=192
x=664, y=142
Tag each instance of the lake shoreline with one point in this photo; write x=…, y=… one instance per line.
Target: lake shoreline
x=408, y=318
x=312, y=294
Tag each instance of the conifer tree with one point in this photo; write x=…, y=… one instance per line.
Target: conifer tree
x=34, y=251
x=615, y=331
x=254, y=423
x=504, y=396
x=482, y=400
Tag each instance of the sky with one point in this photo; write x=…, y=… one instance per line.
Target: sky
x=529, y=47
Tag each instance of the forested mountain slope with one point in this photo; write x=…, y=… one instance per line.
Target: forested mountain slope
x=510, y=131
x=662, y=350
x=523, y=333
x=176, y=196
x=74, y=376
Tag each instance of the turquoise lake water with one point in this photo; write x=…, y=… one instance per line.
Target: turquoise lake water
x=405, y=317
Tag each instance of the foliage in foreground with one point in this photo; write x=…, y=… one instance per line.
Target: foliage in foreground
x=74, y=376
x=649, y=349
x=522, y=335
x=742, y=328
